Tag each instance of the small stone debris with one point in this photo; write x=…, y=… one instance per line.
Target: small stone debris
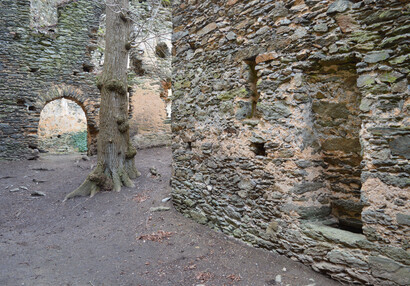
x=38, y=181
x=24, y=188
x=6, y=177
x=159, y=209
x=85, y=158
x=14, y=190
x=154, y=171
x=42, y=169
x=38, y=194
x=278, y=279
x=166, y=199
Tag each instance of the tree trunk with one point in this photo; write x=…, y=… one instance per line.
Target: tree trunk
x=115, y=165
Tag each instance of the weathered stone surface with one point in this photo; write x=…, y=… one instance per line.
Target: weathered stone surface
x=376, y=57
x=207, y=29
x=389, y=269
x=330, y=97
x=314, y=212
x=400, y=146
x=333, y=234
x=307, y=187
x=342, y=257
x=266, y=57
x=346, y=23
x=339, y=6
x=334, y=110
x=365, y=80
x=403, y=219
x=342, y=144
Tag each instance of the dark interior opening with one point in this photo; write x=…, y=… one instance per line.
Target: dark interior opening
x=162, y=50
x=34, y=69
x=32, y=108
x=20, y=101
x=349, y=226
x=88, y=67
x=258, y=149
x=189, y=146
x=252, y=84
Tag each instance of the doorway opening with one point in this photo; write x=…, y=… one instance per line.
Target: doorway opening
x=63, y=128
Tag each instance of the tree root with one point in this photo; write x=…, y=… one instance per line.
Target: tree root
x=88, y=188
x=105, y=179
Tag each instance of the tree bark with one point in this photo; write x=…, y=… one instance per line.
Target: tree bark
x=115, y=163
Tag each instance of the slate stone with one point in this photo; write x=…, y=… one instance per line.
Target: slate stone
x=400, y=146
x=275, y=111
x=335, y=235
x=347, y=145
x=365, y=80
x=207, y=29
x=403, y=219
x=386, y=268
x=339, y=6
x=376, y=57
x=314, y=212
x=343, y=257
x=307, y=187
x=334, y=110
x=244, y=110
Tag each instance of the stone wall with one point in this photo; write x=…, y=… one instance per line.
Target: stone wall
x=39, y=66
x=41, y=61
x=291, y=129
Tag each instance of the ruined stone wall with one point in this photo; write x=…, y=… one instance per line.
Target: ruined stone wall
x=150, y=61
x=39, y=66
x=41, y=61
x=291, y=129
x=149, y=75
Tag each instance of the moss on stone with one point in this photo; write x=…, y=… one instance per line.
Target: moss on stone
x=240, y=92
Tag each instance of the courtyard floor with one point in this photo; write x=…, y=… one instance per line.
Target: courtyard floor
x=134, y=237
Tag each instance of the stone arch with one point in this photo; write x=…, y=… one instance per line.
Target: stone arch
x=89, y=107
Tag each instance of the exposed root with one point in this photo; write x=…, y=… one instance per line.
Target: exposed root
x=88, y=188
x=131, y=170
x=117, y=181
x=103, y=178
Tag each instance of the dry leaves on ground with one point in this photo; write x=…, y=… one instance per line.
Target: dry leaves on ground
x=235, y=278
x=190, y=267
x=140, y=198
x=156, y=236
x=203, y=276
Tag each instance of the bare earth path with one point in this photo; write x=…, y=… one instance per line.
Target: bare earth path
x=108, y=240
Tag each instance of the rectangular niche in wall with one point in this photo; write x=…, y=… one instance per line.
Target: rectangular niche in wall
x=335, y=110
x=252, y=84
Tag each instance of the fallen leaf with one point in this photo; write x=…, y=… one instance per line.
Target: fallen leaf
x=203, y=276
x=140, y=198
x=190, y=267
x=157, y=237
x=235, y=278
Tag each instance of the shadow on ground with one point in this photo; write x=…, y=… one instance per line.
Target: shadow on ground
x=117, y=238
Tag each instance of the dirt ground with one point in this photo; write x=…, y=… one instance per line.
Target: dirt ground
x=117, y=238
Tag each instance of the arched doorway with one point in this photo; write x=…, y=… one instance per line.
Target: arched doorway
x=63, y=127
